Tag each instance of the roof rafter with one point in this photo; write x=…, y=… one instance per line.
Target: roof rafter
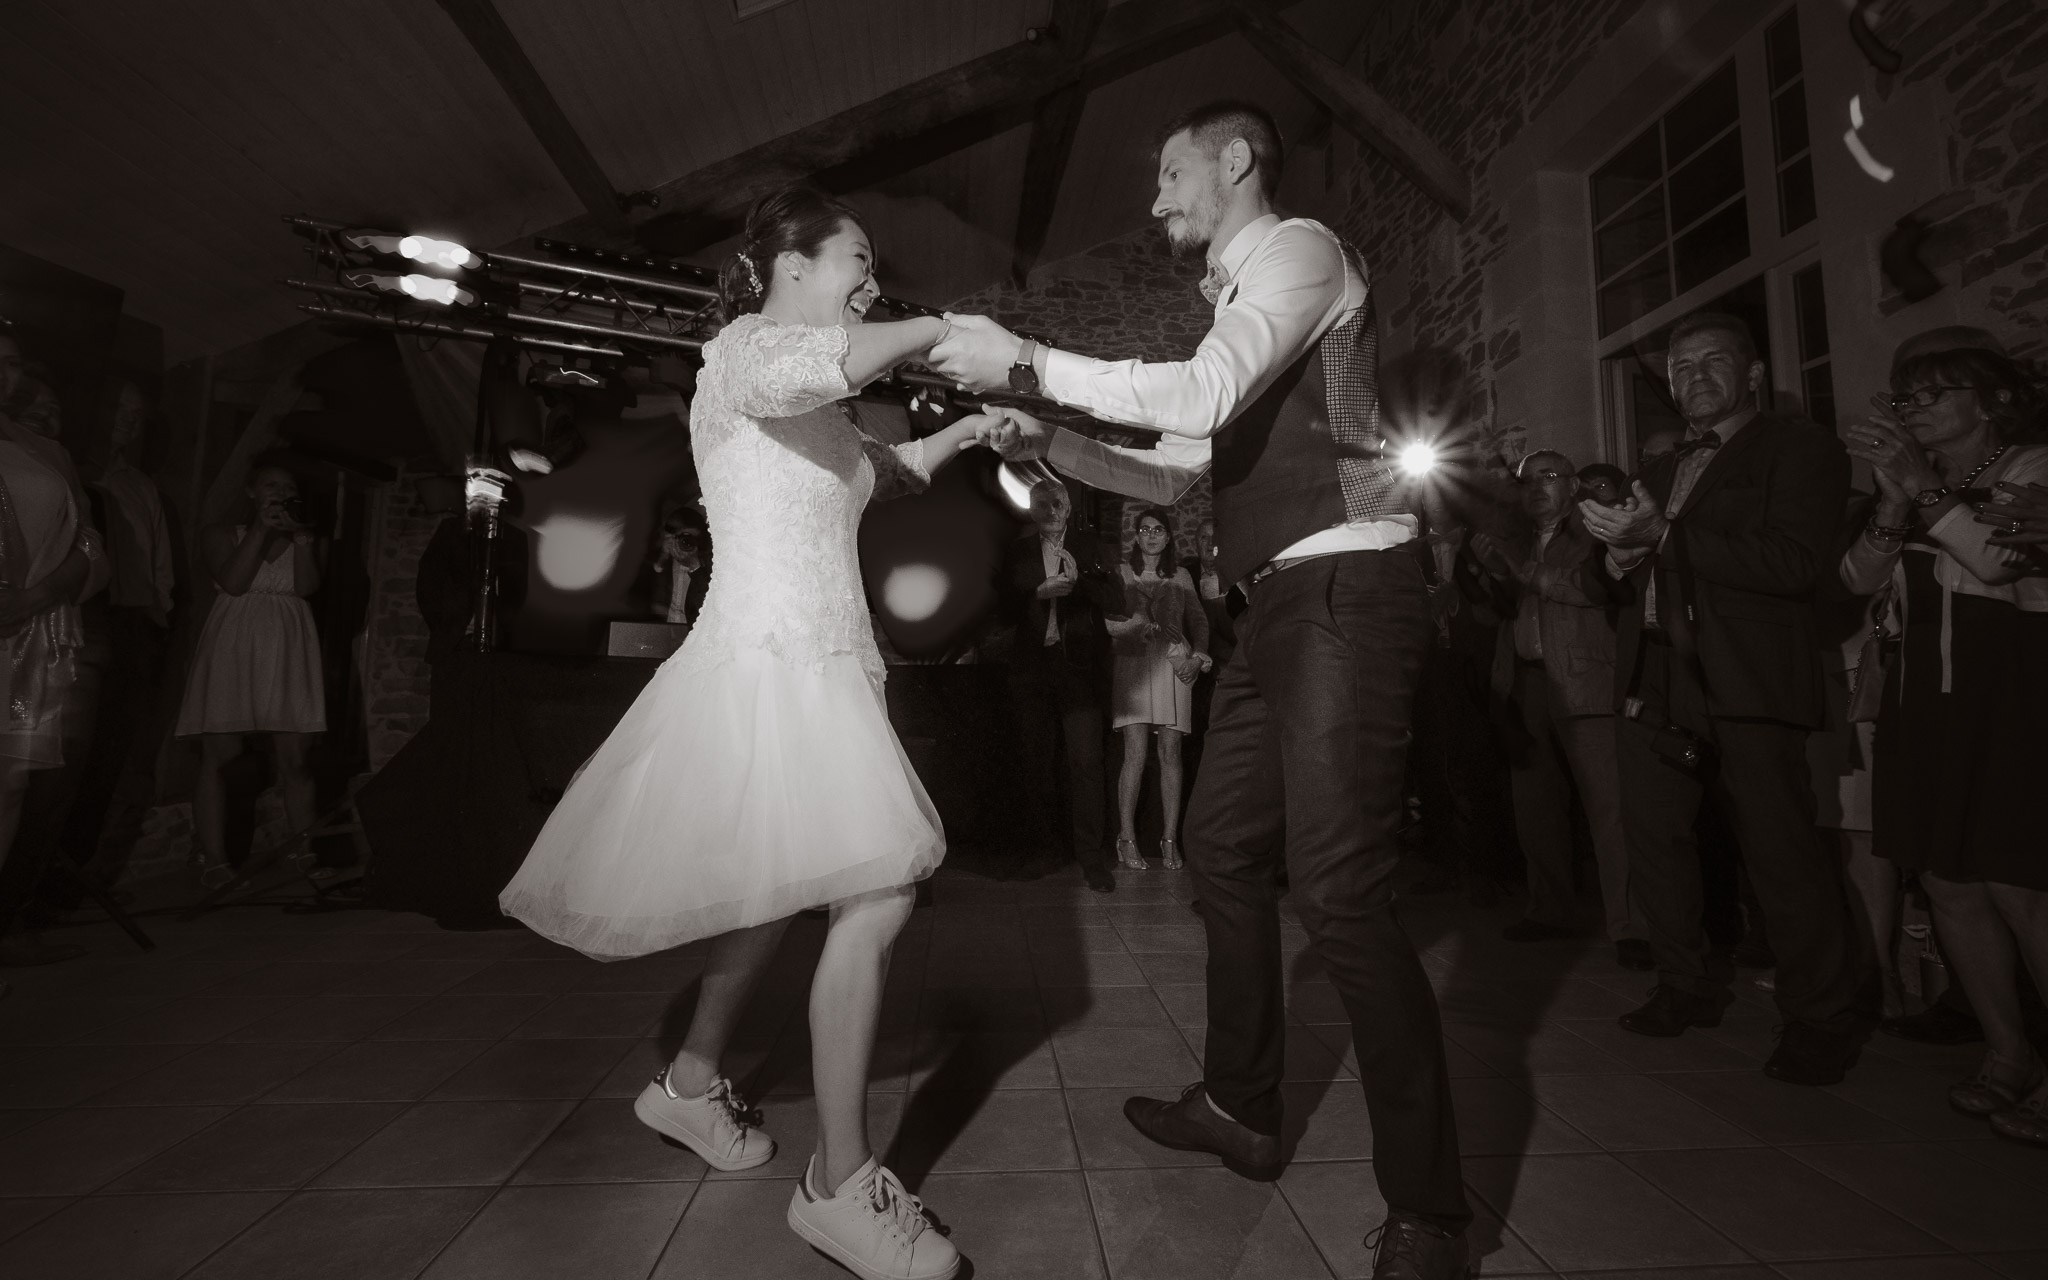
x=484, y=27
x=917, y=123
x=1053, y=126
x=1358, y=107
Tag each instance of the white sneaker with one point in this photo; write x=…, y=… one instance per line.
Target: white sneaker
x=873, y=1228
x=716, y=1126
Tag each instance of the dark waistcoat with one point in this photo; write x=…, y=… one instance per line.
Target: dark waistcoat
x=1306, y=454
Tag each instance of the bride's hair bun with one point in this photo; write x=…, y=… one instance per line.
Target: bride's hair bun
x=794, y=218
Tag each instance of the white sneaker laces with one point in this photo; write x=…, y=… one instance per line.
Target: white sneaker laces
x=902, y=1211
x=726, y=1104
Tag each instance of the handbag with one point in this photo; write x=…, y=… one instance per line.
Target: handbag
x=1866, y=692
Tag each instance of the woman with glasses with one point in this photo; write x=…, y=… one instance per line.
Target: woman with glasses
x=1956, y=767
x=1161, y=649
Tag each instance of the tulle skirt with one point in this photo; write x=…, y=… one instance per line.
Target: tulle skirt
x=729, y=795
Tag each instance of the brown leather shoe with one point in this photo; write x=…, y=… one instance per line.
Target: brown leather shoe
x=1191, y=1124
x=1405, y=1249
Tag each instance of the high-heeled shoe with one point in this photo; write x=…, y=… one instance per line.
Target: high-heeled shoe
x=1127, y=853
x=212, y=875
x=1169, y=855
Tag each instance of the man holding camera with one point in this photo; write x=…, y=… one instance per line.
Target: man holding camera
x=1719, y=550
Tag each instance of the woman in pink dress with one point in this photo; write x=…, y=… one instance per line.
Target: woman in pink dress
x=1161, y=649
x=256, y=668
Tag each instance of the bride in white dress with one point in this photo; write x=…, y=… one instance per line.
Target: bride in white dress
x=757, y=774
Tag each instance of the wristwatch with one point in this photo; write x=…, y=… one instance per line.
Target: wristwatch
x=1924, y=498
x=1023, y=376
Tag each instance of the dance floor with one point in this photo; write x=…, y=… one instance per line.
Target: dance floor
x=360, y=1095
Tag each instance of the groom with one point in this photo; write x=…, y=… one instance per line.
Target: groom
x=1310, y=723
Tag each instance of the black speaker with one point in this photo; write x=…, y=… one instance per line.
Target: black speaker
x=451, y=816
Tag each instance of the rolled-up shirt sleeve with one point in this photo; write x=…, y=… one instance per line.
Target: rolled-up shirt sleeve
x=1288, y=294
x=1161, y=475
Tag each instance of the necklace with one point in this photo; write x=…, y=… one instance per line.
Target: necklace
x=1983, y=466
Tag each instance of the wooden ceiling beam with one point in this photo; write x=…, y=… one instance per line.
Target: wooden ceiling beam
x=1358, y=107
x=916, y=124
x=484, y=27
x=1053, y=126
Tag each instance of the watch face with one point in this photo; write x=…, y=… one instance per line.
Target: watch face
x=1023, y=379
x=1928, y=497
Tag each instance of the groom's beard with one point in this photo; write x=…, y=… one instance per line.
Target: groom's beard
x=1197, y=225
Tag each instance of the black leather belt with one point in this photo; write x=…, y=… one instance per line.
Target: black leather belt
x=1272, y=567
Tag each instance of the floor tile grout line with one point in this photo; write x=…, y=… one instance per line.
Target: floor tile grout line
x=1502, y=1213
x=1302, y=1226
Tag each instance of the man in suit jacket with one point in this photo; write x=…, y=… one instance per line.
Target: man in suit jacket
x=1057, y=594
x=1554, y=669
x=1720, y=549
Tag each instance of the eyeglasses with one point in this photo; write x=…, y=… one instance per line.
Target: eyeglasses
x=1923, y=397
x=1543, y=476
x=1149, y=530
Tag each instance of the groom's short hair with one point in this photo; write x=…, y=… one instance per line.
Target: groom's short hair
x=1213, y=125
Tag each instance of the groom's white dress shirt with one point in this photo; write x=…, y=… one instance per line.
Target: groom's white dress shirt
x=1288, y=283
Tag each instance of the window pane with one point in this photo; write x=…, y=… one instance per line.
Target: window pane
x=1633, y=234
x=1820, y=393
x=1628, y=175
x=1712, y=247
x=1810, y=313
x=1707, y=180
x=1705, y=112
x=1795, y=194
x=1635, y=294
x=1781, y=49
x=1788, y=122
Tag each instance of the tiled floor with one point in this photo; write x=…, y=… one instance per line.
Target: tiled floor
x=360, y=1096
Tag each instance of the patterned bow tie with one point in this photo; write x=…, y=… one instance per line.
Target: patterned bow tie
x=1706, y=440
x=1214, y=283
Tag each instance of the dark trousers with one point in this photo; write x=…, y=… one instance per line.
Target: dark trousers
x=1558, y=754
x=1759, y=775
x=1061, y=728
x=120, y=775
x=1460, y=772
x=1306, y=752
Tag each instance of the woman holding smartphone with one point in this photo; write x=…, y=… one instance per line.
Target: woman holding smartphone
x=257, y=665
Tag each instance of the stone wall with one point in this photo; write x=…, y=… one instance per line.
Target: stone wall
x=1129, y=298
x=1989, y=64
x=1473, y=76
x=394, y=657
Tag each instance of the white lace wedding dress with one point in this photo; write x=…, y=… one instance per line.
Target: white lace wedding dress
x=757, y=773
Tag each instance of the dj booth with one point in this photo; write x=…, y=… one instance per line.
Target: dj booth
x=450, y=817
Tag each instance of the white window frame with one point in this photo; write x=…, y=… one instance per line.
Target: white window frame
x=1772, y=255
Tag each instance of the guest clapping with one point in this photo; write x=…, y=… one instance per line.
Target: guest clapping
x=1957, y=772
x=1161, y=649
x=257, y=665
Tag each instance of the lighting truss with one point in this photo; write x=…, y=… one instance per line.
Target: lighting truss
x=561, y=299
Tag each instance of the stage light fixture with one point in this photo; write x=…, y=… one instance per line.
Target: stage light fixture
x=1418, y=458
x=531, y=461
x=1016, y=485
x=435, y=289
x=437, y=253
x=425, y=288
x=372, y=241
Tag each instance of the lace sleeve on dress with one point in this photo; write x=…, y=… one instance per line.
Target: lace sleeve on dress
x=899, y=468
x=782, y=370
